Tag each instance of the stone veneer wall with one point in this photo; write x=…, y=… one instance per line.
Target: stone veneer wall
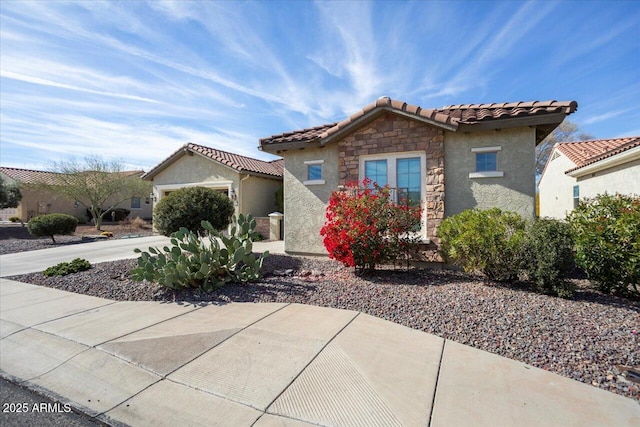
x=393, y=134
x=263, y=226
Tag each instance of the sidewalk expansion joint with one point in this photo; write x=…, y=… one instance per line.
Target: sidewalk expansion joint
x=165, y=377
x=266, y=411
x=435, y=390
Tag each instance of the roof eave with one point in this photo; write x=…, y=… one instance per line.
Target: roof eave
x=606, y=163
x=279, y=147
x=553, y=119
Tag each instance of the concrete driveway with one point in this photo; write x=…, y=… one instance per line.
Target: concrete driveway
x=94, y=252
x=100, y=251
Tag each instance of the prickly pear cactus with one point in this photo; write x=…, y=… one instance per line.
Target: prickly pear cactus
x=206, y=262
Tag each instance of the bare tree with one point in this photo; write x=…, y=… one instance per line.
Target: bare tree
x=565, y=132
x=97, y=184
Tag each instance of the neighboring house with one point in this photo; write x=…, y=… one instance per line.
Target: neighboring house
x=38, y=201
x=577, y=170
x=250, y=183
x=455, y=158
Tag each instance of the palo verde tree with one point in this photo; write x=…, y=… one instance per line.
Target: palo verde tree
x=97, y=184
x=10, y=195
x=565, y=132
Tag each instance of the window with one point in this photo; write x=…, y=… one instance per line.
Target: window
x=576, y=196
x=314, y=172
x=376, y=171
x=486, y=163
x=135, y=203
x=405, y=173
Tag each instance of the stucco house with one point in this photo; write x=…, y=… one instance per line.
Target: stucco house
x=38, y=201
x=250, y=183
x=455, y=158
x=584, y=169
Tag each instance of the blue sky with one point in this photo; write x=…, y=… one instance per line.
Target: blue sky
x=136, y=80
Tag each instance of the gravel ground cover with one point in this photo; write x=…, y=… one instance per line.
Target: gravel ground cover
x=583, y=338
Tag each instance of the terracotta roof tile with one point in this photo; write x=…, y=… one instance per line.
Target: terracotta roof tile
x=584, y=153
x=307, y=134
x=235, y=161
x=449, y=117
x=473, y=113
x=29, y=176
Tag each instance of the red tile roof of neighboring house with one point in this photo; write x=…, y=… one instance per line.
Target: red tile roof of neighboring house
x=235, y=161
x=584, y=153
x=30, y=176
x=448, y=117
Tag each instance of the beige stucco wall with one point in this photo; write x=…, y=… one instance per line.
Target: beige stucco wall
x=556, y=188
x=195, y=170
x=515, y=191
x=258, y=195
x=40, y=201
x=305, y=205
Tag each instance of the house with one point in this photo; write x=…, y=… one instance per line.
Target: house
x=456, y=158
x=250, y=183
x=37, y=201
x=577, y=170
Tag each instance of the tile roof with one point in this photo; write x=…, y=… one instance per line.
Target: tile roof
x=474, y=113
x=584, y=153
x=235, y=161
x=448, y=117
x=29, y=176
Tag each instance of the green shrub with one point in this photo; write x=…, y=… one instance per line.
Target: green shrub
x=485, y=241
x=52, y=224
x=607, y=237
x=65, y=268
x=206, y=263
x=188, y=207
x=549, y=259
x=15, y=219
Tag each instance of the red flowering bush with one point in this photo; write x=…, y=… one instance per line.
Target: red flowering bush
x=364, y=227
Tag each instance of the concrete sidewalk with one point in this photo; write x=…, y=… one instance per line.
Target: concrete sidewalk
x=148, y=363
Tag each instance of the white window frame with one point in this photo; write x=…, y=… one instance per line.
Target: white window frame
x=392, y=177
x=314, y=181
x=487, y=174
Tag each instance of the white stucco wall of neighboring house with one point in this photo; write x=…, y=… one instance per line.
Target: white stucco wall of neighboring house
x=624, y=179
x=195, y=170
x=258, y=195
x=305, y=204
x=514, y=191
x=556, y=188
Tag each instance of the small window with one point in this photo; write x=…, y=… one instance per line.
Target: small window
x=576, y=196
x=135, y=202
x=314, y=172
x=486, y=162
